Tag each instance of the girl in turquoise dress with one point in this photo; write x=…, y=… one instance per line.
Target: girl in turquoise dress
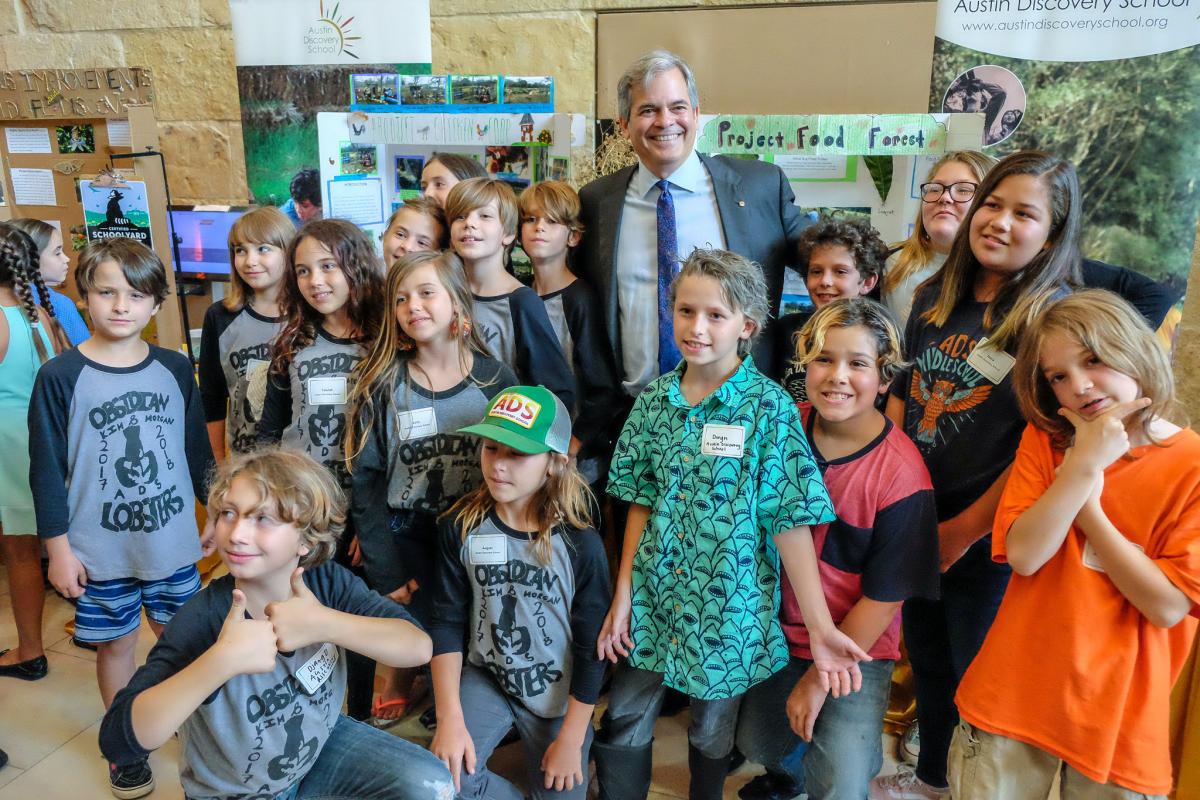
x=29, y=336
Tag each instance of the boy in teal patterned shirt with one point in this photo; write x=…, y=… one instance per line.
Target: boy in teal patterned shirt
x=721, y=484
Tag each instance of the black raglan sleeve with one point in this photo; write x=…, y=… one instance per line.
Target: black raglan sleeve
x=451, y=593
x=596, y=381
x=214, y=391
x=539, y=358
x=1150, y=298
x=49, y=409
x=277, y=409
x=369, y=497
x=590, y=605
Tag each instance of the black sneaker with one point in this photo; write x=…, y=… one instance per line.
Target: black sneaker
x=132, y=780
x=770, y=787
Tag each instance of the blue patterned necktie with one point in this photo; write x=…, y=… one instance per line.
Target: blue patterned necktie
x=668, y=259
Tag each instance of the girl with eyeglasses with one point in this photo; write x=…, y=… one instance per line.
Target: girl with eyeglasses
x=945, y=197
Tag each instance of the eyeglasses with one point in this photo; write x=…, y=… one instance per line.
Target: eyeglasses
x=960, y=192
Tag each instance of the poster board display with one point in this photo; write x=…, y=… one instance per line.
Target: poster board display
x=47, y=150
x=371, y=163
x=862, y=165
x=871, y=163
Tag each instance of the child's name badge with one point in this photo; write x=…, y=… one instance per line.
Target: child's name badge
x=990, y=362
x=488, y=548
x=253, y=366
x=1092, y=561
x=318, y=668
x=329, y=391
x=416, y=424
x=723, y=440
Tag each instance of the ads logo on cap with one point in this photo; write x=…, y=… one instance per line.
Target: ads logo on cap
x=516, y=408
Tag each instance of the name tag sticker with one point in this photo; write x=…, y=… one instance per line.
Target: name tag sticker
x=490, y=548
x=723, y=440
x=1091, y=559
x=990, y=362
x=253, y=365
x=416, y=424
x=329, y=391
x=318, y=668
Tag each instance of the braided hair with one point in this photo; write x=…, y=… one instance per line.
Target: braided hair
x=19, y=260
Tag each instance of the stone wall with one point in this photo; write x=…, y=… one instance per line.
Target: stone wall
x=189, y=46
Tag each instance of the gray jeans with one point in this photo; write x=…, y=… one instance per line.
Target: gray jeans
x=489, y=714
x=634, y=703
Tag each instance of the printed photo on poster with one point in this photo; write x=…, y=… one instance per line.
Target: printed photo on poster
x=474, y=89
x=112, y=211
x=408, y=173
x=560, y=169
x=358, y=159
x=527, y=89
x=375, y=89
x=422, y=90
x=512, y=164
x=76, y=139
x=993, y=91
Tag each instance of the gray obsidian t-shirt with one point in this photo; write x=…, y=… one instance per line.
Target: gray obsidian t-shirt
x=258, y=734
x=118, y=456
x=235, y=353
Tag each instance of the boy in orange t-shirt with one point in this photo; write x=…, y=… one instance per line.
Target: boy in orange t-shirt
x=1100, y=521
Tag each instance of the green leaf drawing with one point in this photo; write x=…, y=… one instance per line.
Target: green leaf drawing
x=880, y=168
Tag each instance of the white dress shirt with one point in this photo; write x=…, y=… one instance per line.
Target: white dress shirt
x=697, y=224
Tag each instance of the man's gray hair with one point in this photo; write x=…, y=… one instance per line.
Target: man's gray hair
x=646, y=69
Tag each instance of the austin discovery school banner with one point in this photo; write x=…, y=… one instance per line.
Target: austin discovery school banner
x=294, y=59
x=1113, y=85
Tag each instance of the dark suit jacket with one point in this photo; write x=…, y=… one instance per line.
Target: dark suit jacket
x=758, y=216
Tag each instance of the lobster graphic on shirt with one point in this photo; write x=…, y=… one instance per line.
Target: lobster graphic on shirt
x=138, y=465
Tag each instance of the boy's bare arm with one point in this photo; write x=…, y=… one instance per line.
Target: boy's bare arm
x=244, y=647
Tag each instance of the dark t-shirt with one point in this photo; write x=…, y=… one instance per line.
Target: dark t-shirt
x=966, y=428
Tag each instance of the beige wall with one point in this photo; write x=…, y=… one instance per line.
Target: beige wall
x=189, y=47
x=187, y=44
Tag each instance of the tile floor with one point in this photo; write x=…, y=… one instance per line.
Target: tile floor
x=49, y=728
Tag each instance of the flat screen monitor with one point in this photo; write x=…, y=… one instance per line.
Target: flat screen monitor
x=204, y=240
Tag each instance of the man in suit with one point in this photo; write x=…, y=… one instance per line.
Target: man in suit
x=739, y=205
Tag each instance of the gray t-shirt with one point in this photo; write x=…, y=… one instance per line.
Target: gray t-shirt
x=308, y=413
x=518, y=333
x=532, y=626
x=118, y=456
x=235, y=353
x=258, y=734
x=414, y=444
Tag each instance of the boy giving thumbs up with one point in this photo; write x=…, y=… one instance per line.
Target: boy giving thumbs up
x=251, y=671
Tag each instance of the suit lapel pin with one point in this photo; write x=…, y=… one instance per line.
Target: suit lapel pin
x=741, y=203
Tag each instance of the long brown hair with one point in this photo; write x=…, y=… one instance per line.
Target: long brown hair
x=392, y=350
x=1053, y=270
x=266, y=225
x=564, y=499
x=19, y=259
x=355, y=255
x=1113, y=332
x=917, y=250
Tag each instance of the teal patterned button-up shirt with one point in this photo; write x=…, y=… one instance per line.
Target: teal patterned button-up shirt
x=706, y=573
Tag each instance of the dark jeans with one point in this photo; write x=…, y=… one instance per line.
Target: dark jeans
x=943, y=637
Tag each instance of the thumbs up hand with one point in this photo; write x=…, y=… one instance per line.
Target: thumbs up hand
x=247, y=646
x=299, y=620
